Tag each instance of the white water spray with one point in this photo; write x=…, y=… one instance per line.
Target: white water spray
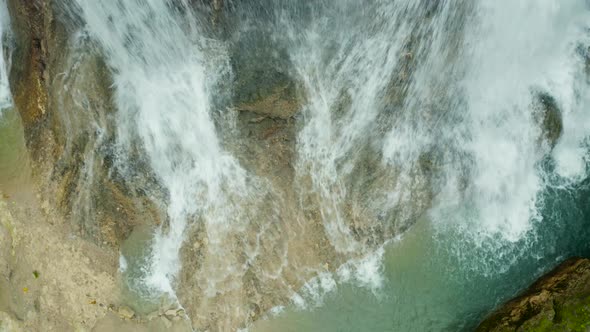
x=529, y=47
x=441, y=94
x=163, y=86
x=470, y=105
x=5, y=96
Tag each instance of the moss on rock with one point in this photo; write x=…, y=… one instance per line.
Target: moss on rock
x=558, y=301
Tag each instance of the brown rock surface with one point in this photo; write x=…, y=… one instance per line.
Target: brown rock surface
x=558, y=301
x=62, y=91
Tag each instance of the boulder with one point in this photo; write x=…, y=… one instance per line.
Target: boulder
x=549, y=117
x=558, y=301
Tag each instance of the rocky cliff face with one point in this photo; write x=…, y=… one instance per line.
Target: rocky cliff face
x=558, y=301
x=62, y=239
x=61, y=90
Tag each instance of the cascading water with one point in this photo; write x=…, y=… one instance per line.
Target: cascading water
x=164, y=83
x=346, y=67
x=428, y=110
x=5, y=96
x=504, y=73
x=485, y=79
x=496, y=204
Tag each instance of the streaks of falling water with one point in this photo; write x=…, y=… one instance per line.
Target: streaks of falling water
x=338, y=57
x=449, y=84
x=371, y=74
x=5, y=96
x=468, y=105
x=511, y=52
x=483, y=120
x=350, y=68
x=164, y=85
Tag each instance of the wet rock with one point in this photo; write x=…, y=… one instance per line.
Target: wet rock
x=70, y=132
x=548, y=116
x=31, y=27
x=558, y=301
x=262, y=82
x=277, y=103
x=125, y=312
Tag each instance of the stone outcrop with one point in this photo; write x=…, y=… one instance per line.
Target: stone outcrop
x=61, y=89
x=558, y=301
x=29, y=73
x=548, y=115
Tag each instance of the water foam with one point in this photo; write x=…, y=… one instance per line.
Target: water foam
x=494, y=206
x=365, y=272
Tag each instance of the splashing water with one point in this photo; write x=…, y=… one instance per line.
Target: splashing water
x=467, y=76
x=410, y=108
x=495, y=203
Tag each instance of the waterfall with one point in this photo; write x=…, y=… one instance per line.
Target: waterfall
x=366, y=99
x=512, y=53
x=5, y=96
x=164, y=82
x=409, y=109
x=470, y=101
x=468, y=76
x=343, y=60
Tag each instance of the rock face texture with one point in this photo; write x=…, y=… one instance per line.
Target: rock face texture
x=63, y=92
x=61, y=89
x=559, y=301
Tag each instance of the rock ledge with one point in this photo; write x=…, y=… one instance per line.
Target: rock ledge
x=558, y=301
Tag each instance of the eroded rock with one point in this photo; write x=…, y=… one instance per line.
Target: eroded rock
x=558, y=301
x=62, y=90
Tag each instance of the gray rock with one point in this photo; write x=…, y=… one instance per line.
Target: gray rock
x=549, y=117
